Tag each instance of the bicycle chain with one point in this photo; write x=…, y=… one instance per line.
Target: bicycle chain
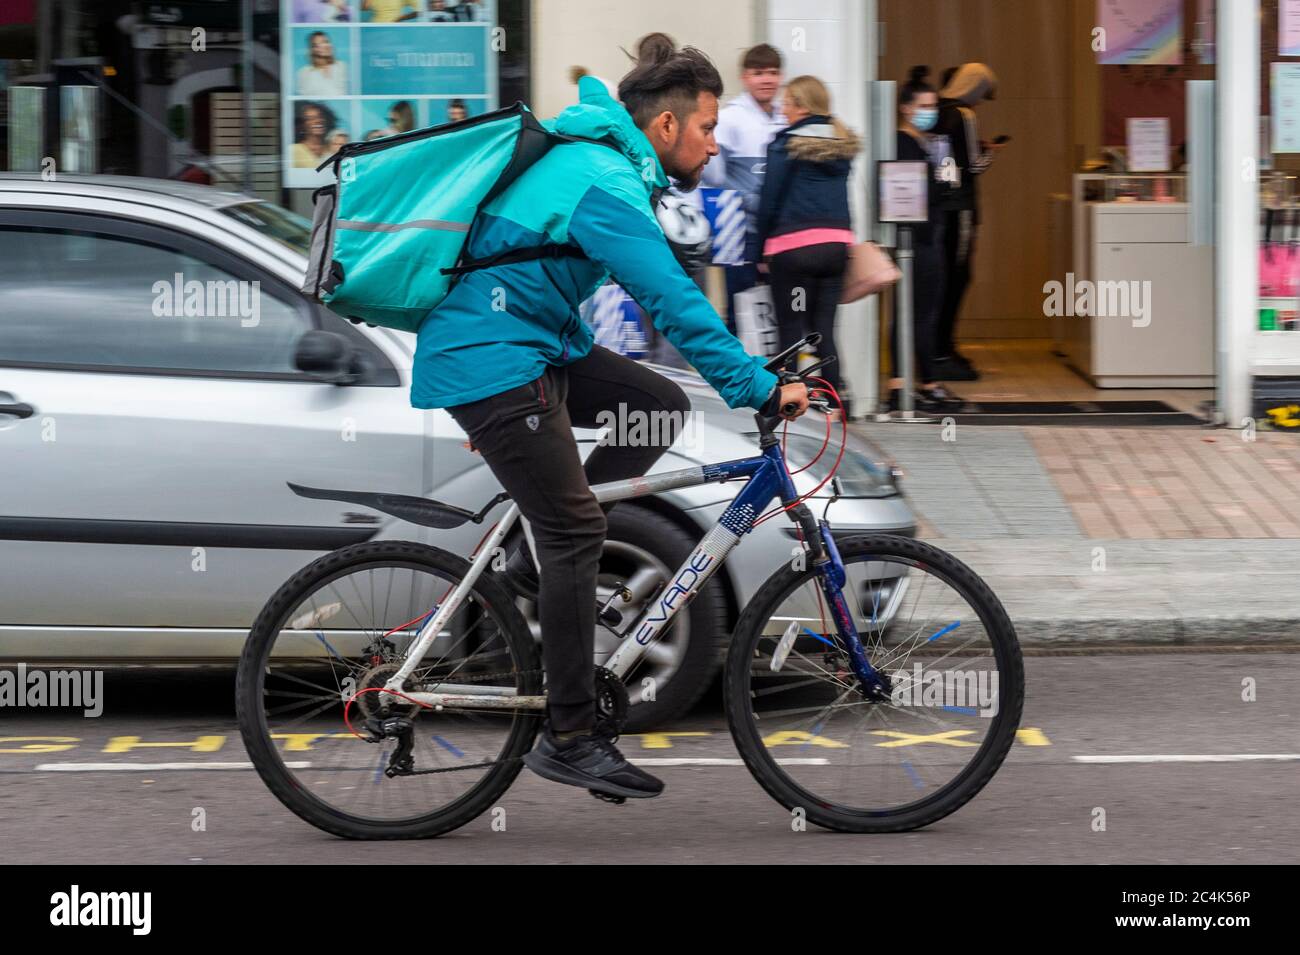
x=498, y=762
x=481, y=678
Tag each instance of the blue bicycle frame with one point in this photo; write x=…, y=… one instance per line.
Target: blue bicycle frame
x=767, y=478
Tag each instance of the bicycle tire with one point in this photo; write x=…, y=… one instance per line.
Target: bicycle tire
x=964, y=787
x=252, y=721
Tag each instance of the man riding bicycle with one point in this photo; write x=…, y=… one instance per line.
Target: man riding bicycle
x=534, y=372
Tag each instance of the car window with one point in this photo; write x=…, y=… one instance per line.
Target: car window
x=83, y=298
x=287, y=228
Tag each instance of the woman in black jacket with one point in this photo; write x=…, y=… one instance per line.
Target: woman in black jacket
x=969, y=85
x=804, y=230
x=918, y=108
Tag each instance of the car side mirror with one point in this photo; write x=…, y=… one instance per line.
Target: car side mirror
x=327, y=356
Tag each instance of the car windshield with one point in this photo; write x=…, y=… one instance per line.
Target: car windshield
x=287, y=228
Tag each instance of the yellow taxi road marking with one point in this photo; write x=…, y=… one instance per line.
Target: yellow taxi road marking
x=147, y=767
x=46, y=744
x=301, y=742
x=663, y=740
x=912, y=739
x=1209, y=758
x=305, y=742
x=124, y=744
x=800, y=738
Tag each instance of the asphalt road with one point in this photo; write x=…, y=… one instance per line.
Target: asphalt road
x=1041, y=808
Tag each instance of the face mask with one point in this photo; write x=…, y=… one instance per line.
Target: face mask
x=924, y=119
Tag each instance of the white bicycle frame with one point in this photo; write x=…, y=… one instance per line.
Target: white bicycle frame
x=693, y=574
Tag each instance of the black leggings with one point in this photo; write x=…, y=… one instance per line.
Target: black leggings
x=928, y=283
x=806, y=285
x=959, y=232
x=525, y=435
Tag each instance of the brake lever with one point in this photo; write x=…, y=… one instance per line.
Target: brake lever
x=777, y=362
x=816, y=366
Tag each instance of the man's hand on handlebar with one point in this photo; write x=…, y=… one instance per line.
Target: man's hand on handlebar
x=794, y=393
x=794, y=400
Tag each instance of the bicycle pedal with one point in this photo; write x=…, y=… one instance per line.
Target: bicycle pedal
x=606, y=797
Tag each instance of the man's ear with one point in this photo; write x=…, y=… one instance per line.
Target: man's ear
x=663, y=127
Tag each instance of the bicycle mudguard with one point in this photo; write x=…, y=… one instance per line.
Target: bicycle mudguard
x=416, y=510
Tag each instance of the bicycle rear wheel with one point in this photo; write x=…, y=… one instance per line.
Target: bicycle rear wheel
x=816, y=743
x=336, y=632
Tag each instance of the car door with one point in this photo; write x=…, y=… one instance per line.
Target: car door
x=150, y=415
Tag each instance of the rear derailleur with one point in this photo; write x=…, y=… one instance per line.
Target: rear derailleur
x=401, y=728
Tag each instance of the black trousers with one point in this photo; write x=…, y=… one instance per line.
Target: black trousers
x=959, y=255
x=928, y=285
x=525, y=436
x=806, y=285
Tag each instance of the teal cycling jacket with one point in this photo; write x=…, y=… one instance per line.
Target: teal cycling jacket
x=501, y=326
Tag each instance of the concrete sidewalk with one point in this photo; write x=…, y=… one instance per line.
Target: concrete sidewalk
x=1116, y=536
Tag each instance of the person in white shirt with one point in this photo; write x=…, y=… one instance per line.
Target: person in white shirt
x=745, y=127
x=324, y=76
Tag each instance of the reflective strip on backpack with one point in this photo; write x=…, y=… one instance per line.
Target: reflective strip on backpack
x=441, y=225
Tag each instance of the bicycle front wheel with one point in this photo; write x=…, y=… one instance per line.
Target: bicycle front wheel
x=312, y=672
x=848, y=762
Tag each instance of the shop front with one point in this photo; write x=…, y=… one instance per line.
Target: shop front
x=1138, y=232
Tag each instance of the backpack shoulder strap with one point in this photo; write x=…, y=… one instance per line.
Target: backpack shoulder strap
x=539, y=142
x=511, y=256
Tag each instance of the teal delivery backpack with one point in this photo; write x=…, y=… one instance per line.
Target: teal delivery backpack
x=388, y=236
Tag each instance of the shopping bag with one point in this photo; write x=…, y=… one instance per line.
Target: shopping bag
x=756, y=320
x=867, y=271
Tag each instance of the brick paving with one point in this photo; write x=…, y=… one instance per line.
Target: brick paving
x=1174, y=483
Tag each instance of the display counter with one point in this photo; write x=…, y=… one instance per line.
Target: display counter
x=1141, y=298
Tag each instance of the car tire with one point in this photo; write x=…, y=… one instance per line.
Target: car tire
x=639, y=540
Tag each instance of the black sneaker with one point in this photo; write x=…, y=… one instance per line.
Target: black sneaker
x=922, y=402
x=592, y=762
x=943, y=397
x=954, y=368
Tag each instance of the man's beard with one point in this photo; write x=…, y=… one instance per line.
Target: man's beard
x=687, y=184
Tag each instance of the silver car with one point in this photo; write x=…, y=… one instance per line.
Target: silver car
x=147, y=430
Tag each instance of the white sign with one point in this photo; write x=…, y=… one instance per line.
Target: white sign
x=904, y=191
x=756, y=320
x=1148, y=144
x=1286, y=107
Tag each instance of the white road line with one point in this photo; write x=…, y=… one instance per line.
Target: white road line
x=720, y=761
x=146, y=767
x=186, y=766
x=1211, y=758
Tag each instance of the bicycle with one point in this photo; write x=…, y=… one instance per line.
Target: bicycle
x=448, y=688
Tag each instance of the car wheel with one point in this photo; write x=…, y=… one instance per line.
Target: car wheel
x=642, y=551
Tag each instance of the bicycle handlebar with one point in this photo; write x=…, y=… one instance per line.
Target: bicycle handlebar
x=786, y=377
x=779, y=360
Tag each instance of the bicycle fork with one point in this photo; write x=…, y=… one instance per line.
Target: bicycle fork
x=831, y=577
